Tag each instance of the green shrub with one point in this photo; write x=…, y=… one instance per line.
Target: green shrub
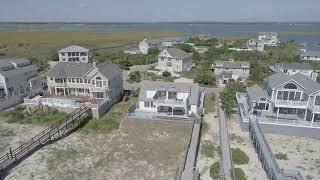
x=281, y=156
x=215, y=170
x=239, y=157
x=228, y=96
x=166, y=74
x=239, y=174
x=42, y=117
x=135, y=76
x=205, y=78
x=207, y=148
x=153, y=51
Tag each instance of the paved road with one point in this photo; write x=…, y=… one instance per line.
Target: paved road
x=225, y=145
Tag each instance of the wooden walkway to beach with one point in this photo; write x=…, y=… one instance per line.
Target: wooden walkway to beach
x=71, y=122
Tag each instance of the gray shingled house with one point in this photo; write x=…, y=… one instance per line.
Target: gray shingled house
x=97, y=81
x=294, y=68
x=71, y=85
x=293, y=98
x=18, y=79
x=174, y=60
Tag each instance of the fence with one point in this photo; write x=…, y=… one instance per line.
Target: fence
x=54, y=132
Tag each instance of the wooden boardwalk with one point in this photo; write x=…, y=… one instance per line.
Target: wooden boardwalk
x=71, y=122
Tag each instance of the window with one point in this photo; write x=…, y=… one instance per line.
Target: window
x=280, y=94
x=169, y=64
x=285, y=71
x=169, y=59
x=162, y=58
x=62, y=54
x=51, y=78
x=78, y=80
x=73, y=54
x=83, y=59
x=93, y=82
x=104, y=83
x=285, y=95
x=69, y=79
x=172, y=95
x=146, y=104
x=85, y=81
x=81, y=81
x=291, y=96
x=64, y=59
x=98, y=82
x=69, y=54
x=73, y=80
x=77, y=54
x=317, y=101
x=290, y=86
x=297, y=97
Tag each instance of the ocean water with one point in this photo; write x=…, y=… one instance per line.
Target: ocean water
x=249, y=30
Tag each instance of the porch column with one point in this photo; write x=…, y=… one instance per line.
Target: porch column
x=277, y=115
x=305, y=114
x=312, y=120
x=65, y=91
x=50, y=90
x=172, y=110
x=56, y=92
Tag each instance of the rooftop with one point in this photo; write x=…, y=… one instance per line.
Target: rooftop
x=279, y=78
x=178, y=53
x=68, y=69
x=311, y=53
x=255, y=92
x=294, y=66
x=232, y=64
x=191, y=88
x=73, y=48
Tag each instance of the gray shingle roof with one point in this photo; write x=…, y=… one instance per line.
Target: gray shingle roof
x=192, y=89
x=232, y=64
x=280, y=78
x=294, y=66
x=312, y=53
x=69, y=69
x=178, y=53
x=255, y=92
x=74, y=48
x=16, y=70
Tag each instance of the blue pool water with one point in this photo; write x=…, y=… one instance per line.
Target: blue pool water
x=142, y=115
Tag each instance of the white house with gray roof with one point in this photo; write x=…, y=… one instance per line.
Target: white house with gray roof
x=18, y=79
x=75, y=54
x=89, y=80
x=231, y=70
x=310, y=56
x=174, y=60
x=169, y=99
x=288, y=99
x=294, y=68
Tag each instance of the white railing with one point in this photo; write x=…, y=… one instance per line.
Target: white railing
x=31, y=101
x=291, y=103
x=316, y=108
x=171, y=102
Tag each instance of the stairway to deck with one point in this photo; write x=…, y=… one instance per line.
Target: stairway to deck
x=55, y=132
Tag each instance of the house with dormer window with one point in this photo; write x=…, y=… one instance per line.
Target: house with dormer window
x=288, y=99
x=174, y=60
x=87, y=80
x=231, y=70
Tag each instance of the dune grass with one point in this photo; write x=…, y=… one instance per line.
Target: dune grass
x=46, y=44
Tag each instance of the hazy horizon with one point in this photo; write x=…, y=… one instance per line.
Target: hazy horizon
x=159, y=11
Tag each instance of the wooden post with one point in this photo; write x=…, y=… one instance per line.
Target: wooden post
x=10, y=152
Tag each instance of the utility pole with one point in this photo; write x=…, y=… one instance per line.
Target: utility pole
x=146, y=67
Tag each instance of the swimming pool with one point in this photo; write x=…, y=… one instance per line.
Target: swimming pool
x=142, y=115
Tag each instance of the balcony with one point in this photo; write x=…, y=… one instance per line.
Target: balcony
x=170, y=102
x=292, y=104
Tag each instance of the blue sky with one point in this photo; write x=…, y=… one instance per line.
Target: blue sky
x=160, y=10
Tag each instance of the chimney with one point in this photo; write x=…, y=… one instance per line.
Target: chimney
x=94, y=63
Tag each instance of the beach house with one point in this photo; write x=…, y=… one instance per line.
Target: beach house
x=75, y=54
x=294, y=68
x=310, y=56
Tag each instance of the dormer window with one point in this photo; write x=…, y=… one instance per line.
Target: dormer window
x=290, y=86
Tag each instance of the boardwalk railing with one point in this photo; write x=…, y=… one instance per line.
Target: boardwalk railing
x=54, y=132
